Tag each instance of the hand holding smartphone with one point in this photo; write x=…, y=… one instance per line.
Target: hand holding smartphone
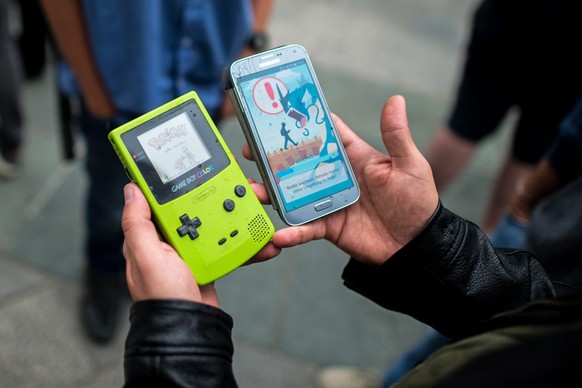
x=288, y=125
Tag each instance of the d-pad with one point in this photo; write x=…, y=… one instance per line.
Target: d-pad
x=189, y=227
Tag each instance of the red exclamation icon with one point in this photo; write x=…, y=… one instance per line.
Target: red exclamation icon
x=271, y=93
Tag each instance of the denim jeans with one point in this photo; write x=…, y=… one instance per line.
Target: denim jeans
x=509, y=233
x=104, y=200
x=430, y=343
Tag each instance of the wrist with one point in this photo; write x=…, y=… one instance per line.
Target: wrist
x=258, y=41
x=522, y=203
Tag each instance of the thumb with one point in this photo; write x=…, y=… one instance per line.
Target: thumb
x=396, y=134
x=136, y=218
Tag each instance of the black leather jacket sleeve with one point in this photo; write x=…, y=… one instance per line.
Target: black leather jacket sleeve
x=180, y=344
x=450, y=277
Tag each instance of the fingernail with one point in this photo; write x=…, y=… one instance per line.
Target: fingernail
x=128, y=193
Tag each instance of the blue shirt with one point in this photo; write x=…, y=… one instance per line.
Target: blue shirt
x=149, y=52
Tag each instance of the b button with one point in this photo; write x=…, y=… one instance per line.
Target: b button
x=228, y=205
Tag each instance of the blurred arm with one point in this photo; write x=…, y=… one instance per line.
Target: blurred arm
x=262, y=11
x=562, y=164
x=543, y=181
x=261, y=15
x=65, y=18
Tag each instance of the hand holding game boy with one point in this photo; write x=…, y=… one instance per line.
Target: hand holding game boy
x=154, y=269
x=200, y=199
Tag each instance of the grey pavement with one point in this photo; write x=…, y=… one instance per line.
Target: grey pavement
x=292, y=314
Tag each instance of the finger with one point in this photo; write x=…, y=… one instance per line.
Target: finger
x=346, y=134
x=268, y=252
x=395, y=132
x=297, y=235
x=136, y=212
x=209, y=295
x=246, y=151
x=136, y=221
x=261, y=193
x=357, y=149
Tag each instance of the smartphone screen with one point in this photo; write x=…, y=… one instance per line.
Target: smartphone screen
x=296, y=133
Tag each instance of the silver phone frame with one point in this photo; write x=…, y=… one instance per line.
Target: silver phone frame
x=265, y=61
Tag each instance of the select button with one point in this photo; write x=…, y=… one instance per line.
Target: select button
x=324, y=205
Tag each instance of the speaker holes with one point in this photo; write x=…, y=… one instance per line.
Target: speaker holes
x=259, y=228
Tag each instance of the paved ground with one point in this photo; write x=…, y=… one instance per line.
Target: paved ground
x=292, y=315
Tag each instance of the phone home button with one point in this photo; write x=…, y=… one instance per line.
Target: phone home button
x=323, y=205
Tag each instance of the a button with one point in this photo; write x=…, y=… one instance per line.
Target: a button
x=189, y=227
x=222, y=241
x=323, y=205
x=233, y=233
x=240, y=191
x=228, y=205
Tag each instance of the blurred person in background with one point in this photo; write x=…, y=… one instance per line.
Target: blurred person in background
x=550, y=197
x=125, y=58
x=11, y=120
x=519, y=52
x=33, y=38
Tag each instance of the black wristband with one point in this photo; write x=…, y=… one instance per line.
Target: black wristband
x=258, y=41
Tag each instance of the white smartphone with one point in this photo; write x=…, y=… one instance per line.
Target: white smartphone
x=288, y=125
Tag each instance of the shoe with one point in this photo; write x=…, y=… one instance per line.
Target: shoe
x=101, y=304
x=348, y=377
